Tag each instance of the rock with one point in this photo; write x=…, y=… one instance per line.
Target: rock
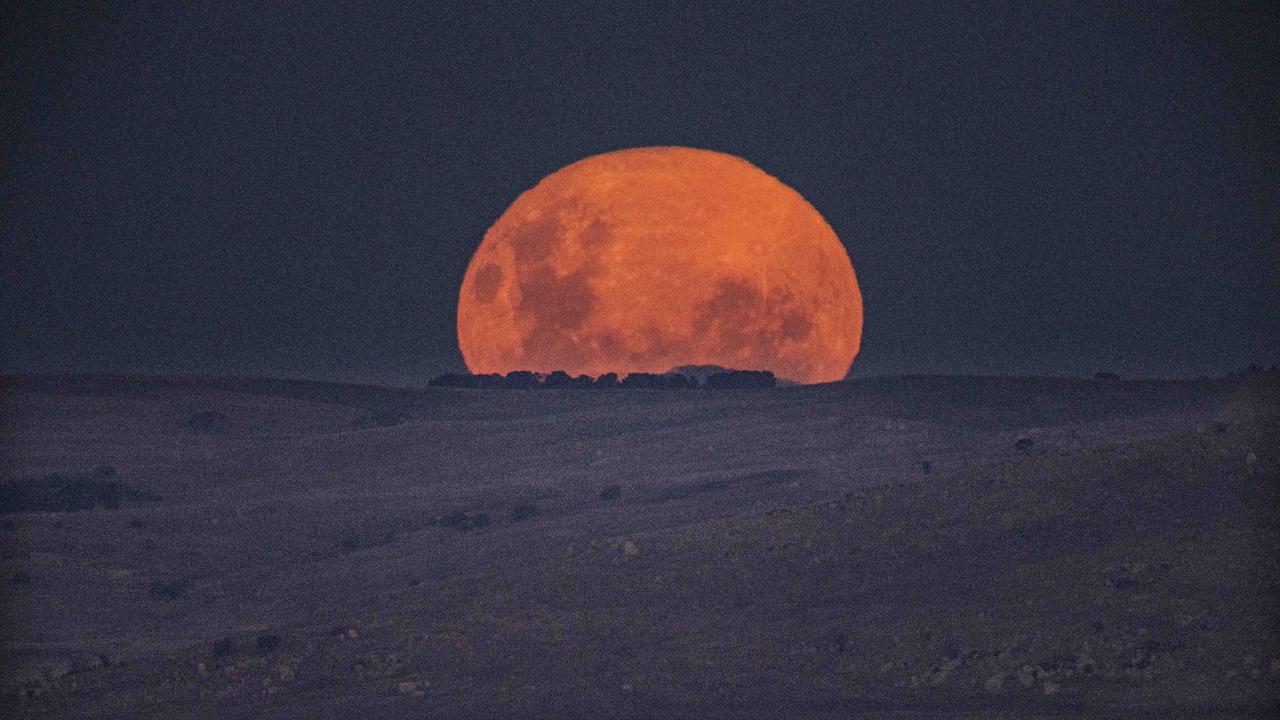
x=995, y=683
x=407, y=688
x=1052, y=688
x=1027, y=677
x=1251, y=458
x=352, y=633
x=285, y=672
x=630, y=549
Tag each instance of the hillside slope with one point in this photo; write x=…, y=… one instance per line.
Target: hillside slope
x=871, y=548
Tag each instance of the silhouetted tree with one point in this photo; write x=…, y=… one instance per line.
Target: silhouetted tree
x=741, y=380
x=607, y=381
x=557, y=380
x=521, y=380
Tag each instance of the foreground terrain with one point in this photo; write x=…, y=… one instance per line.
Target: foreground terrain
x=902, y=547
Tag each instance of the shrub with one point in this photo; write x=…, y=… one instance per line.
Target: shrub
x=169, y=589
x=267, y=643
x=378, y=420
x=208, y=421
x=224, y=647
x=465, y=521
x=1024, y=444
x=21, y=577
x=356, y=539
x=523, y=512
x=68, y=493
x=613, y=492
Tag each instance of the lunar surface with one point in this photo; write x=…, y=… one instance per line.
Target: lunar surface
x=652, y=258
x=917, y=547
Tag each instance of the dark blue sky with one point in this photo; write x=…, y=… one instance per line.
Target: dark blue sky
x=290, y=189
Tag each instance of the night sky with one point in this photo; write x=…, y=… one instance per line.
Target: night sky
x=295, y=190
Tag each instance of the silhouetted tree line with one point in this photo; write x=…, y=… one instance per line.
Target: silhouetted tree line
x=560, y=380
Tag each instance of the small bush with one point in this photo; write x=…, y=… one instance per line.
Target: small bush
x=136, y=523
x=169, y=589
x=523, y=512
x=613, y=492
x=465, y=521
x=1024, y=444
x=378, y=420
x=208, y=421
x=68, y=493
x=355, y=539
x=267, y=643
x=21, y=578
x=224, y=647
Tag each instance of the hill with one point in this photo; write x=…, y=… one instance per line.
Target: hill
x=898, y=547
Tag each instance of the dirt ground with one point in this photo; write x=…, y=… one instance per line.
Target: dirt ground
x=915, y=547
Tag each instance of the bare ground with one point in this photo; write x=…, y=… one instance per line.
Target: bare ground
x=338, y=551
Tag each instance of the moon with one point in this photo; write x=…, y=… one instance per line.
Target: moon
x=646, y=259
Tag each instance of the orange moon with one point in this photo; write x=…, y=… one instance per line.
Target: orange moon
x=646, y=259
